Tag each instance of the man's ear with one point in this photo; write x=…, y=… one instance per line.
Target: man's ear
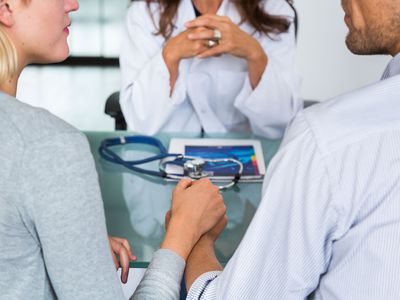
x=6, y=13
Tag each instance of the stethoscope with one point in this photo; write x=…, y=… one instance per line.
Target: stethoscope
x=193, y=167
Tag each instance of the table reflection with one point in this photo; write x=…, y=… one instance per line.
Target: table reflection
x=136, y=204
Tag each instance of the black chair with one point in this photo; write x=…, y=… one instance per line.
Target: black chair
x=113, y=109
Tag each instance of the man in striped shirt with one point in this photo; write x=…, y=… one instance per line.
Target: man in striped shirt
x=329, y=223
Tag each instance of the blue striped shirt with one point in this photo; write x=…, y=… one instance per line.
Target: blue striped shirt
x=329, y=221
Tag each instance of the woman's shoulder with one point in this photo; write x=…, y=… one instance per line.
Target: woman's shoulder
x=137, y=7
x=140, y=12
x=31, y=123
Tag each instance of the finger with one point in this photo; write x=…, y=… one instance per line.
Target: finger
x=110, y=239
x=209, y=21
x=203, y=35
x=219, y=228
x=116, y=263
x=124, y=263
x=221, y=224
x=167, y=219
x=218, y=50
x=207, y=184
x=183, y=184
x=205, y=180
x=224, y=221
x=125, y=243
x=197, y=29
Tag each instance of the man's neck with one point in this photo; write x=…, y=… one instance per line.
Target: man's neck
x=207, y=6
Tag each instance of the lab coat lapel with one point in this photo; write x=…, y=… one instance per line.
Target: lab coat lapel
x=185, y=14
x=228, y=9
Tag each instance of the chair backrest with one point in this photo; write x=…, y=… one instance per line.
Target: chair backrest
x=113, y=109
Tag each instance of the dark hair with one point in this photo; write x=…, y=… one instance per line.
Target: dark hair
x=250, y=11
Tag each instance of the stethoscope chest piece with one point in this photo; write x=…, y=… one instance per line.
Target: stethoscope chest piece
x=195, y=168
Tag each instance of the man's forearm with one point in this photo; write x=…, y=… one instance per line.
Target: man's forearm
x=202, y=259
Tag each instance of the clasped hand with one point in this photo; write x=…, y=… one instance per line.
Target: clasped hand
x=197, y=210
x=193, y=41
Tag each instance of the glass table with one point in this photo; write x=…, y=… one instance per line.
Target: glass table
x=135, y=204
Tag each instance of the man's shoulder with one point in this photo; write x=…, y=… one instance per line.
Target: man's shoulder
x=353, y=116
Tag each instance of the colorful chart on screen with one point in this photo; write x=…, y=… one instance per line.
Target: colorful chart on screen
x=248, y=152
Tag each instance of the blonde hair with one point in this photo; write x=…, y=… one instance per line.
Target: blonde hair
x=8, y=57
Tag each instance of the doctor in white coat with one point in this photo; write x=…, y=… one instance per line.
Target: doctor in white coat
x=213, y=66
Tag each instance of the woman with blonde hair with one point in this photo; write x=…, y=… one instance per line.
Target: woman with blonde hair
x=53, y=238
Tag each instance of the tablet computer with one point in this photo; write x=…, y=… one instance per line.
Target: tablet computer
x=248, y=152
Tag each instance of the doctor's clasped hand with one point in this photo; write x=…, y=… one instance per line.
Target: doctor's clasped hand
x=181, y=47
x=230, y=39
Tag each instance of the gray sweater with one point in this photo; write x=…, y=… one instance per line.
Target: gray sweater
x=53, y=238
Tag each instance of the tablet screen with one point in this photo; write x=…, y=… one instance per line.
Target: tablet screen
x=244, y=153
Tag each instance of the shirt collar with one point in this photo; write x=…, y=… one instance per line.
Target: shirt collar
x=393, y=67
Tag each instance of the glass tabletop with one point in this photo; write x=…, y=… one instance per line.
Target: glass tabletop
x=135, y=204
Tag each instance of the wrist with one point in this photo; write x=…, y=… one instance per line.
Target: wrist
x=257, y=56
x=180, y=237
x=206, y=242
x=170, y=58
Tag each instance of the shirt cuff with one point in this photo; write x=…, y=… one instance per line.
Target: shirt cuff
x=199, y=286
x=162, y=279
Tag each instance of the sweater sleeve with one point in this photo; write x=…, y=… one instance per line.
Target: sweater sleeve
x=162, y=279
x=62, y=197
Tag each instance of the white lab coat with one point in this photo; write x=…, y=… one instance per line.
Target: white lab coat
x=215, y=93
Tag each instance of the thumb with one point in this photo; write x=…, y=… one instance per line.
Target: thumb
x=167, y=219
x=183, y=184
